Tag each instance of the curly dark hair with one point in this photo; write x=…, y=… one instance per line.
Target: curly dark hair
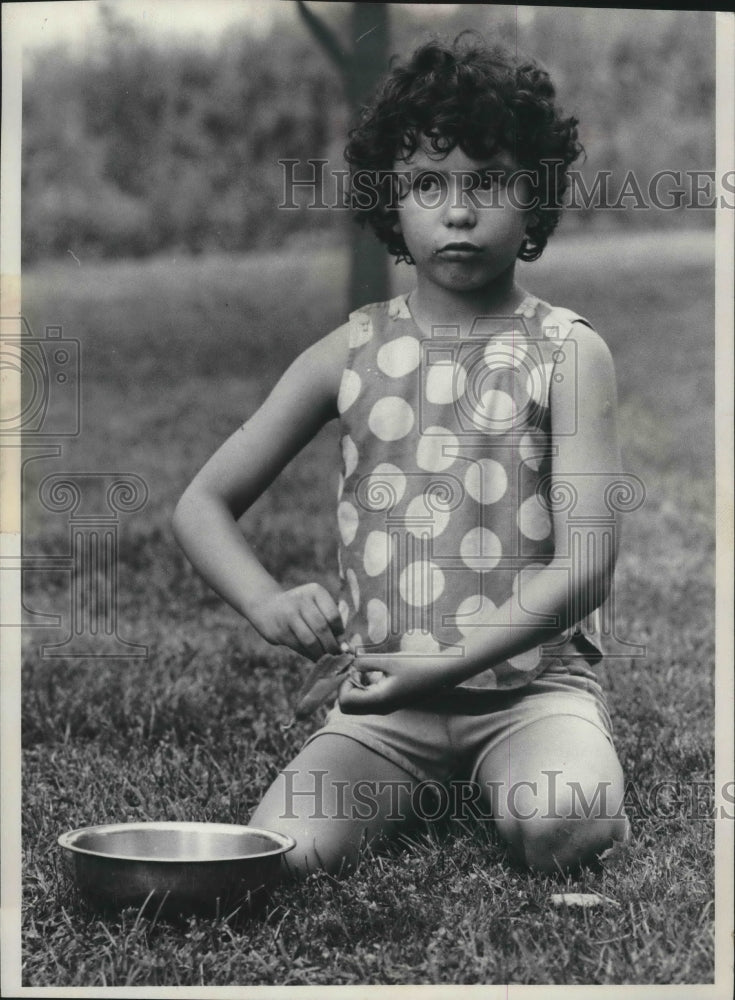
x=469, y=95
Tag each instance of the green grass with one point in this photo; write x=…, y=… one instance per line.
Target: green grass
x=175, y=356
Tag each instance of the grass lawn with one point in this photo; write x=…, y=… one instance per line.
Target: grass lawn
x=175, y=355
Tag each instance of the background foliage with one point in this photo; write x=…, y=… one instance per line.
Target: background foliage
x=134, y=147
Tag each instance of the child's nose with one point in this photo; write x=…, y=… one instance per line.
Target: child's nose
x=460, y=210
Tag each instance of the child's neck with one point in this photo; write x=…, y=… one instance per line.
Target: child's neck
x=431, y=305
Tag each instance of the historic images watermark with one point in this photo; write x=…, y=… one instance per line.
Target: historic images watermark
x=40, y=415
x=311, y=795
x=47, y=373
x=312, y=184
x=93, y=502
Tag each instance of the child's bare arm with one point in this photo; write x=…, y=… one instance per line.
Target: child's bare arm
x=567, y=589
x=304, y=618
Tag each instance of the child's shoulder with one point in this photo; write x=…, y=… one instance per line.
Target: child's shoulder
x=579, y=354
x=557, y=322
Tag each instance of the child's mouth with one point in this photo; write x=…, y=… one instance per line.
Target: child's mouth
x=458, y=251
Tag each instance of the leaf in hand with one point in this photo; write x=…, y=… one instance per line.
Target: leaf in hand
x=325, y=678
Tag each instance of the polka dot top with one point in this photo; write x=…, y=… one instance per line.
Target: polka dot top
x=445, y=455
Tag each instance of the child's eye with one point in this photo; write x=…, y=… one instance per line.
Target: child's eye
x=427, y=182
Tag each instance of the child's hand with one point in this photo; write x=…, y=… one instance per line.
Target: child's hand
x=381, y=684
x=305, y=619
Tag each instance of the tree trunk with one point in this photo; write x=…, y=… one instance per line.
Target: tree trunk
x=360, y=69
x=369, y=258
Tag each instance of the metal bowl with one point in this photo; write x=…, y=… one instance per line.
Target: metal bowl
x=175, y=868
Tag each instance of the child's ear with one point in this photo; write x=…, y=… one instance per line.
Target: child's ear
x=531, y=219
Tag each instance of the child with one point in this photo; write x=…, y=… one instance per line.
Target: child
x=470, y=412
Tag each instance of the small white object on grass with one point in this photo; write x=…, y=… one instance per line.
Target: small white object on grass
x=584, y=899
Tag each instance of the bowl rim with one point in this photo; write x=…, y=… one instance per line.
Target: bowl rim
x=66, y=840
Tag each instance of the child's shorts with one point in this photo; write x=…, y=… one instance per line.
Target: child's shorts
x=449, y=735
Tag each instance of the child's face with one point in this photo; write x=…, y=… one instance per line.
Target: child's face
x=462, y=225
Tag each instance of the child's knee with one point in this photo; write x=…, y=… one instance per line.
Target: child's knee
x=323, y=850
x=321, y=843
x=553, y=844
x=565, y=832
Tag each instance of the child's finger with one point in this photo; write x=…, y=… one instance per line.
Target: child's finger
x=319, y=627
x=327, y=606
x=376, y=663
x=361, y=694
x=306, y=642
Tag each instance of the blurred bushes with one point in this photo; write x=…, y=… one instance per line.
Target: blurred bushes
x=135, y=147
x=138, y=148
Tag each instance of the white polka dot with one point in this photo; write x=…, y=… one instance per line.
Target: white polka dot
x=421, y=583
x=354, y=586
x=495, y=413
x=347, y=521
x=385, y=487
x=361, y=329
x=349, y=390
x=508, y=352
x=480, y=549
x=377, y=552
x=423, y=512
x=486, y=480
x=434, y=452
x=399, y=357
x=419, y=643
x=340, y=486
x=538, y=381
x=344, y=612
x=473, y=613
x=377, y=620
x=534, y=519
x=524, y=577
x=391, y=418
x=533, y=447
x=349, y=455
x=445, y=382
x=526, y=661
x=340, y=567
